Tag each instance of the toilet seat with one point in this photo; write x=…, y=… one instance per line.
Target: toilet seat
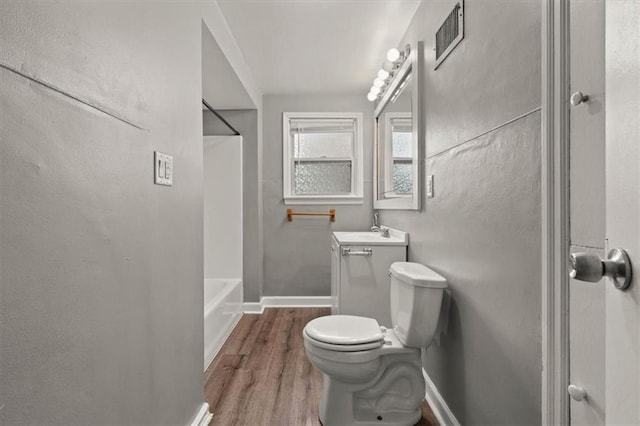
x=344, y=348
x=344, y=333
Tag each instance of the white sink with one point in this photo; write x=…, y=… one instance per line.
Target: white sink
x=362, y=236
x=395, y=238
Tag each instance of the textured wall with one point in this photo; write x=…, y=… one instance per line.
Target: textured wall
x=102, y=275
x=297, y=259
x=482, y=229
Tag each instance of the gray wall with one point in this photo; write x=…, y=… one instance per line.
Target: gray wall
x=246, y=123
x=297, y=259
x=101, y=307
x=482, y=229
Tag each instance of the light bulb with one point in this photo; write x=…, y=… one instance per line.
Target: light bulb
x=387, y=66
x=393, y=54
x=383, y=74
x=378, y=82
x=371, y=97
x=375, y=90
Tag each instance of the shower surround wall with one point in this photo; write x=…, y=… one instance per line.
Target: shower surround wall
x=482, y=229
x=297, y=260
x=247, y=122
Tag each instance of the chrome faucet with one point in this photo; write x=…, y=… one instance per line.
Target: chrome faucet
x=381, y=229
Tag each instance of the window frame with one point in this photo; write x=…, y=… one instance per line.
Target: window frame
x=356, y=195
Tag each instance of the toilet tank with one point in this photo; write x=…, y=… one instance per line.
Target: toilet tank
x=416, y=297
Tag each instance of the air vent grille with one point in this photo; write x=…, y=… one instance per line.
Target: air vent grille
x=450, y=33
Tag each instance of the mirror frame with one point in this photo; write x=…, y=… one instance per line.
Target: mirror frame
x=413, y=65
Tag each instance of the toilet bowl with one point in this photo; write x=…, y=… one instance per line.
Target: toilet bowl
x=373, y=375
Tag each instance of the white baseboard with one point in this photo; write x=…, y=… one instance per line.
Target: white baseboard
x=252, y=307
x=203, y=416
x=286, y=302
x=438, y=405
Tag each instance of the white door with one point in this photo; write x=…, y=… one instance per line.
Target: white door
x=587, y=206
x=605, y=321
x=622, y=353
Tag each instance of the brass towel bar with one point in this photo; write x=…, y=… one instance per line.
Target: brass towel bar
x=331, y=214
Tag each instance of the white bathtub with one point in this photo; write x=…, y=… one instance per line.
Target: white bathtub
x=222, y=311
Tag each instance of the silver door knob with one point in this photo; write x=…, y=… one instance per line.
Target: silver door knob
x=589, y=267
x=578, y=98
x=577, y=393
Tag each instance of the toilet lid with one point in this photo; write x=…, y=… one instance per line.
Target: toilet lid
x=344, y=330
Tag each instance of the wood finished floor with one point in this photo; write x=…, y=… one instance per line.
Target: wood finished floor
x=261, y=376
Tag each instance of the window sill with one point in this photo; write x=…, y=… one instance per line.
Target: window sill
x=323, y=200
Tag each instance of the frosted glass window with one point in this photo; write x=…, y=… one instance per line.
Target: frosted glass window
x=402, y=177
x=401, y=144
x=401, y=137
x=321, y=178
x=323, y=145
x=400, y=161
x=322, y=158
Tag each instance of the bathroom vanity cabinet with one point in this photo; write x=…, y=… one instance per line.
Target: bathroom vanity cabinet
x=359, y=272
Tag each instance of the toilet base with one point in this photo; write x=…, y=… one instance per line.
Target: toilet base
x=393, y=397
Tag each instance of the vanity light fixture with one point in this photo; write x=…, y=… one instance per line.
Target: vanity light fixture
x=394, y=60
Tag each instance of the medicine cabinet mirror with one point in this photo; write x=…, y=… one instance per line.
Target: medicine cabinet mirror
x=399, y=136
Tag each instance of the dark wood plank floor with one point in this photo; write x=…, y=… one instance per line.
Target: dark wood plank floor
x=261, y=376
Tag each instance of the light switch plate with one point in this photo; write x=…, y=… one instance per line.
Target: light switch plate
x=429, y=186
x=163, y=166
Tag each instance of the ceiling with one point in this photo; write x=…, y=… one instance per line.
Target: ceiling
x=221, y=87
x=316, y=46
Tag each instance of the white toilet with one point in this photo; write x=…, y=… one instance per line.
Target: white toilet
x=373, y=375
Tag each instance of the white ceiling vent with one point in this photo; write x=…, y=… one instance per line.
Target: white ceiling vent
x=450, y=33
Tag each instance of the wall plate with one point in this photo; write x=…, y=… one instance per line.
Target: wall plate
x=163, y=167
x=429, y=186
